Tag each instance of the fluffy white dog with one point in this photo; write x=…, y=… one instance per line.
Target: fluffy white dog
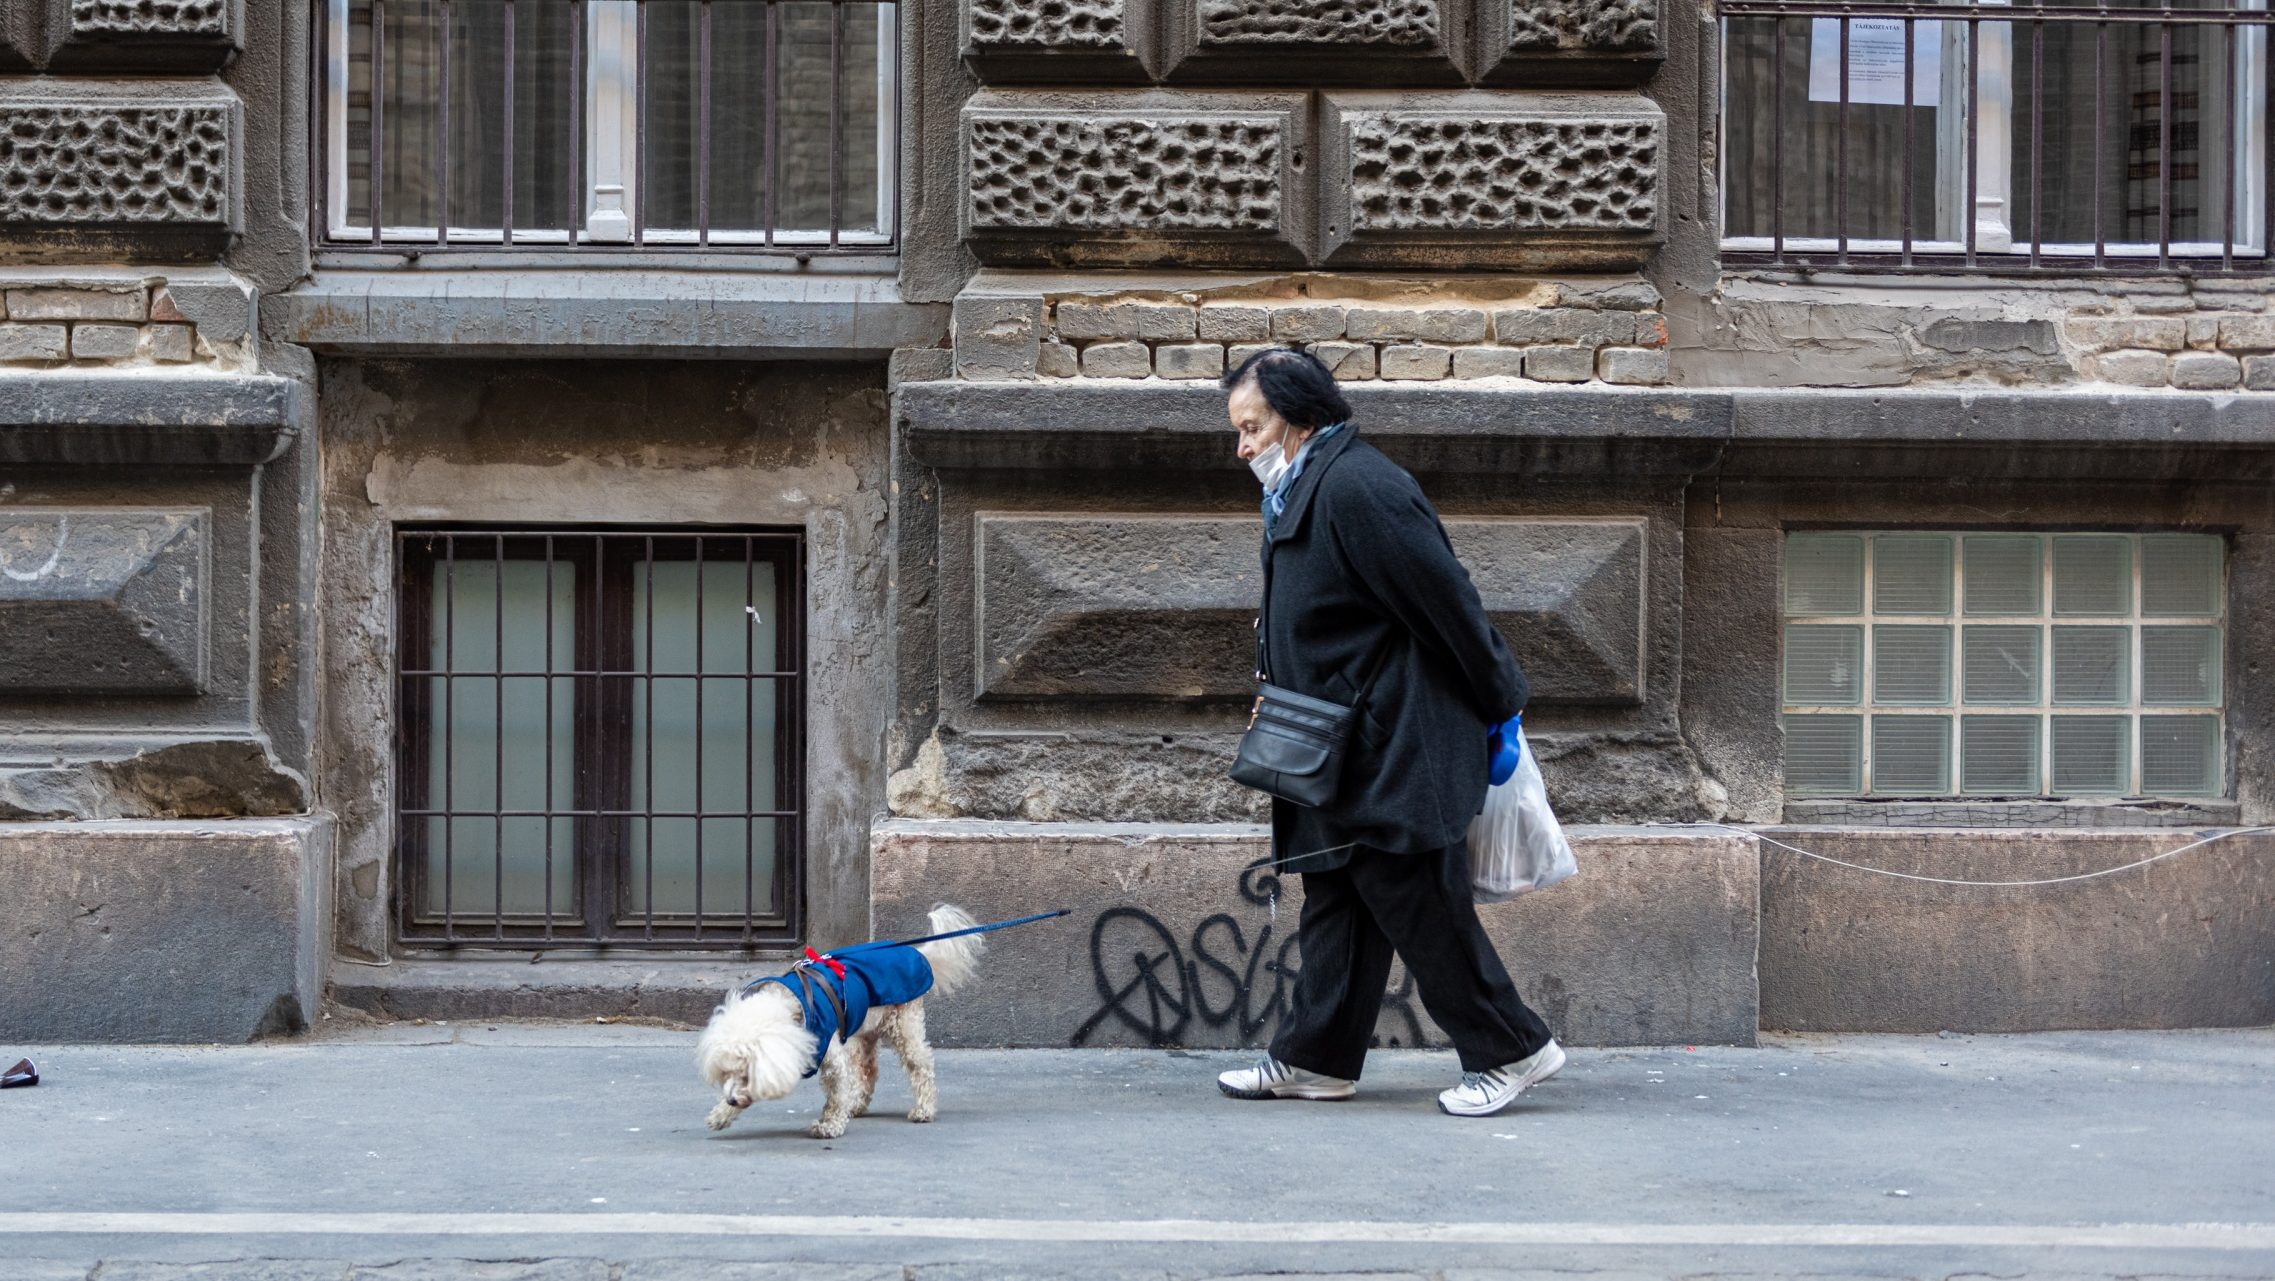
x=759, y=1044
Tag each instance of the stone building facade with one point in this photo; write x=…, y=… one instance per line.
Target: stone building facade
x=372, y=369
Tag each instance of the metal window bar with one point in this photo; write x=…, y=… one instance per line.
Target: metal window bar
x=598, y=617
x=1985, y=169
x=446, y=57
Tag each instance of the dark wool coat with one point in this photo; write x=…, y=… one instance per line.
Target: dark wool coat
x=1360, y=579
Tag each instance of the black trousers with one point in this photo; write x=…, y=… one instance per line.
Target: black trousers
x=1419, y=907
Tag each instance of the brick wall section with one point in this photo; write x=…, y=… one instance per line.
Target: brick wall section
x=129, y=326
x=1569, y=333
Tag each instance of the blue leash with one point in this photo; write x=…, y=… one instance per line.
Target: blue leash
x=811, y=956
x=989, y=928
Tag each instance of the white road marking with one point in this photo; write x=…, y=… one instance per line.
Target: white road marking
x=2114, y=1236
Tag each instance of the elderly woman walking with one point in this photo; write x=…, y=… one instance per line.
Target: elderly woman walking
x=1366, y=607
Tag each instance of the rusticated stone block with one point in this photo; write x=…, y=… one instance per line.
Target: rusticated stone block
x=1312, y=323
x=33, y=342
x=97, y=158
x=181, y=931
x=2149, y=333
x=1349, y=362
x=76, y=304
x=1488, y=362
x=1235, y=322
x=1159, y=607
x=1189, y=360
x=1619, y=295
x=143, y=35
x=1414, y=362
x=1560, y=364
x=2132, y=368
x=1057, y=360
x=1563, y=41
x=1078, y=179
x=1527, y=326
x=1493, y=179
x=2247, y=333
x=102, y=602
x=1313, y=41
x=2259, y=373
x=1858, y=952
x=2206, y=370
x=104, y=342
x=1632, y=366
x=1181, y=940
x=1055, y=39
x=998, y=337
x=1409, y=324
x=1117, y=360
x=1237, y=354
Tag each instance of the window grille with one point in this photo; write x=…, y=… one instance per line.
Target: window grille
x=746, y=125
x=2004, y=665
x=599, y=737
x=2117, y=136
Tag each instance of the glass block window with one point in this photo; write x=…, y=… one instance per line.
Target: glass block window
x=1992, y=665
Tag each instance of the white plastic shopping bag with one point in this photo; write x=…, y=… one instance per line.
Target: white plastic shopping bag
x=1515, y=844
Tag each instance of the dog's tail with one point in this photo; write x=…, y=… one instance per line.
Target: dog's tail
x=953, y=960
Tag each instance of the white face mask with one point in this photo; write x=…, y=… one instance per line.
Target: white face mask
x=1270, y=464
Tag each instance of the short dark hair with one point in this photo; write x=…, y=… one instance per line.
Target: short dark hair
x=1296, y=384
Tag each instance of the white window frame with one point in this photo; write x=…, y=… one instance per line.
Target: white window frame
x=611, y=129
x=1957, y=708
x=1995, y=136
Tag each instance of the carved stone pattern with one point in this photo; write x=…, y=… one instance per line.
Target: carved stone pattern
x=1053, y=24
x=114, y=165
x=1583, y=24
x=149, y=17
x=1433, y=173
x=1396, y=23
x=1129, y=174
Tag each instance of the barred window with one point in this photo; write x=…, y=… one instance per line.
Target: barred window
x=2006, y=136
x=598, y=737
x=1999, y=664
x=652, y=124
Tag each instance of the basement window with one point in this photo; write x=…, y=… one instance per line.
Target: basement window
x=1999, y=665
x=599, y=737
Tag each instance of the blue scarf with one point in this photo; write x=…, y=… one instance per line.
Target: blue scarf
x=1275, y=498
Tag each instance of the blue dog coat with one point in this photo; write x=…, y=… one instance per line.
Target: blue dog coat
x=888, y=975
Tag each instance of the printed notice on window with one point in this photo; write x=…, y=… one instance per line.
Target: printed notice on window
x=1875, y=61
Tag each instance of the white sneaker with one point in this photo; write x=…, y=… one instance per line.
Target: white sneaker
x=1484, y=1093
x=1272, y=1079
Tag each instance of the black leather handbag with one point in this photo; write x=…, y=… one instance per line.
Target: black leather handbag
x=1294, y=746
x=1295, y=743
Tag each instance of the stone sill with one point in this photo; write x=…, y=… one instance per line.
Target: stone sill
x=2118, y=816
x=148, y=416
x=1510, y=427
x=583, y=310
x=679, y=989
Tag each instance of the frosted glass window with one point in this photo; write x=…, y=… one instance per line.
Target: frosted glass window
x=1911, y=755
x=2003, y=573
x=1824, y=574
x=2001, y=663
x=1824, y=665
x=1824, y=755
x=1911, y=574
x=2077, y=665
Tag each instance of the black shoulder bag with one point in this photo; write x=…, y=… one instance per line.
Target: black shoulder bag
x=1295, y=743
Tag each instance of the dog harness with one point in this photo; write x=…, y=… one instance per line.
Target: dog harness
x=835, y=992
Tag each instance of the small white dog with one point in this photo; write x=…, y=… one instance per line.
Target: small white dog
x=763, y=1040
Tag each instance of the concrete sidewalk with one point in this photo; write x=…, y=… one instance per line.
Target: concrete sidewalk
x=577, y=1153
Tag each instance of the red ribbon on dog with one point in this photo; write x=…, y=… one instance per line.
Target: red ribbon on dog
x=836, y=966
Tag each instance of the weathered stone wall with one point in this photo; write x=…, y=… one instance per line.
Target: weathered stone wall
x=546, y=443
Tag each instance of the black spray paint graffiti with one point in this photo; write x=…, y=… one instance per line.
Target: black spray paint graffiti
x=1148, y=984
